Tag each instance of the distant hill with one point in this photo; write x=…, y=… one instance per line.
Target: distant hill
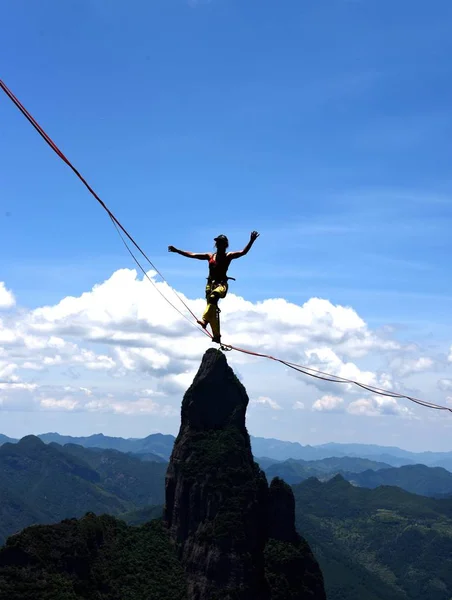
x=393, y=456
x=264, y=462
x=295, y=471
x=131, y=479
x=156, y=443
x=418, y=479
x=272, y=449
x=45, y=483
x=142, y=515
x=5, y=439
x=377, y=544
x=148, y=457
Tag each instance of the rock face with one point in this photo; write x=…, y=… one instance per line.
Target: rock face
x=219, y=510
x=290, y=567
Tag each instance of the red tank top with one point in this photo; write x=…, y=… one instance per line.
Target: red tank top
x=218, y=268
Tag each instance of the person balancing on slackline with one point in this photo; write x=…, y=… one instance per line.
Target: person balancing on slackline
x=217, y=281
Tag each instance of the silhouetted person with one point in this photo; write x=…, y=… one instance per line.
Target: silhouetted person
x=217, y=281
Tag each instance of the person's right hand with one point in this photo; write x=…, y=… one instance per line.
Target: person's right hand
x=171, y=249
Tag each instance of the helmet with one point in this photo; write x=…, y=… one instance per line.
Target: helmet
x=222, y=238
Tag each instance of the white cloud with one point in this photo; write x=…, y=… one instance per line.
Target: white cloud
x=329, y=404
x=449, y=400
x=142, y=406
x=326, y=360
x=7, y=299
x=404, y=367
x=63, y=404
x=377, y=406
x=122, y=332
x=18, y=386
x=265, y=401
x=449, y=358
x=298, y=405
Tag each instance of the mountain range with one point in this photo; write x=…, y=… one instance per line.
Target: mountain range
x=377, y=544
x=362, y=472
x=225, y=533
x=276, y=450
x=367, y=541
x=208, y=525
x=45, y=483
x=372, y=544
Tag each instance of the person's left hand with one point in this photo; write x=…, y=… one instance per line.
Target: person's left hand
x=254, y=235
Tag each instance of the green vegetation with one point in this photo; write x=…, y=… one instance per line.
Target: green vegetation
x=289, y=572
x=296, y=470
x=128, y=477
x=381, y=544
x=142, y=515
x=42, y=483
x=218, y=461
x=372, y=544
x=94, y=558
x=417, y=479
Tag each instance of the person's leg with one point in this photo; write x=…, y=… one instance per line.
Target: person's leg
x=212, y=311
x=204, y=321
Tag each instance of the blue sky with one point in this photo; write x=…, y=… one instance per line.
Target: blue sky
x=324, y=125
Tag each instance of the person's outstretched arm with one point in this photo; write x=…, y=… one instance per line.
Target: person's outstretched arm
x=202, y=256
x=254, y=235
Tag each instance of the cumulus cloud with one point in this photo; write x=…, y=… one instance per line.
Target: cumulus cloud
x=377, y=406
x=326, y=360
x=329, y=404
x=122, y=332
x=265, y=401
x=7, y=299
x=404, y=367
x=70, y=399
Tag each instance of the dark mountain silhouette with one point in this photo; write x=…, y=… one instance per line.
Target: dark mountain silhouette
x=126, y=476
x=271, y=449
x=295, y=471
x=225, y=535
x=393, y=456
x=219, y=510
x=418, y=479
x=5, y=439
x=156, y=443
x=44, y=483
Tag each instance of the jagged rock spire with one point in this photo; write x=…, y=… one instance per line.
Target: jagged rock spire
x=218, y=508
